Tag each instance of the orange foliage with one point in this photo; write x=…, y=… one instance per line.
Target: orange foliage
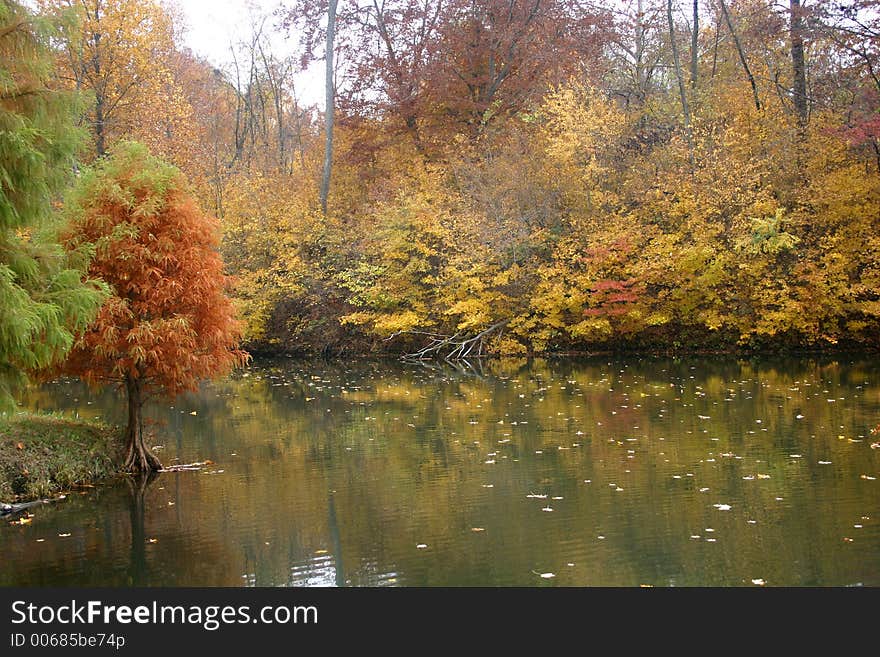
x=169, y=323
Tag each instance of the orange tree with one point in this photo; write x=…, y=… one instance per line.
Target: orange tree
x=168, y=323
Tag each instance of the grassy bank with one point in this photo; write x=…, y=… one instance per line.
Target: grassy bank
x=42, y=454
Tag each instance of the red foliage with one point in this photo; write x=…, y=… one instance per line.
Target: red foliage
x=612, y=297
x=436, y=64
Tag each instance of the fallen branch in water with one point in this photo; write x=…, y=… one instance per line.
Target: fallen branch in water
x=183, y=467
x=12, y=509
x=459, y=346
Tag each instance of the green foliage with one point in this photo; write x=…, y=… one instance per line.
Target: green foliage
x=43, y=299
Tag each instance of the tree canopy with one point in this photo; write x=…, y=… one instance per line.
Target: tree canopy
x=44, y=300
x=542, y=175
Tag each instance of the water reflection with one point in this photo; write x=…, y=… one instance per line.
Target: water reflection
x=598, y=472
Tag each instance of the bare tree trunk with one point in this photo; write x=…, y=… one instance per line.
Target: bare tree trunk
x=742, y=55
x=100, y=144
x=100, y=119
x=138, y=457
x=695, y=32
x=685, y=108
x=798, y=65
x=639, y=50
x=330, y=106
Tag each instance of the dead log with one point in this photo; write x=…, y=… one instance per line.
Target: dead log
x=459, y=346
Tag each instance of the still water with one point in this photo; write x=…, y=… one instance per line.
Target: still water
x=601, y=472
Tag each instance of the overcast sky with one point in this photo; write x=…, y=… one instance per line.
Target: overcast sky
x=214, y=24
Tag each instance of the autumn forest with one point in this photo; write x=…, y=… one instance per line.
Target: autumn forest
x=541, y=291
x=504, y=177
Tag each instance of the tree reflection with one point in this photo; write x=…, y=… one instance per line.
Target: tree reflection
x=332, y=473
x=137, y=485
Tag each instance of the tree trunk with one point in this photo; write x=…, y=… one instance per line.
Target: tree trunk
x=138, y=457
x=639, y=50
x=330, y=106
x=742, y=55
x=695, y=33
x=686, y=110
x=100, y=147
x=798, y=65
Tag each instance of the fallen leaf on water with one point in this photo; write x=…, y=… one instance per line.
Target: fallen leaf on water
x=477, y=529
x=421, y=546
x=547, y=508
x=40, y=540
x=320, y=551
x=24, y=521
x=193, y=413
x=548, y=575
x=152, y=540
x=868, y=477
x=64, y=535
x=722, y=507
x=758, y=582
x=824, y=462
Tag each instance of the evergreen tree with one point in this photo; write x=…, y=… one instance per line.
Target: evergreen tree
x=44, y=299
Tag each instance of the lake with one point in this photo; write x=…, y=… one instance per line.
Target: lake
x=710, y=471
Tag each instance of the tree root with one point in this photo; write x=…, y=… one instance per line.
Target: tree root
x=139, y=459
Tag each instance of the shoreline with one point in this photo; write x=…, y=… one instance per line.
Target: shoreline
x=42, y=455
